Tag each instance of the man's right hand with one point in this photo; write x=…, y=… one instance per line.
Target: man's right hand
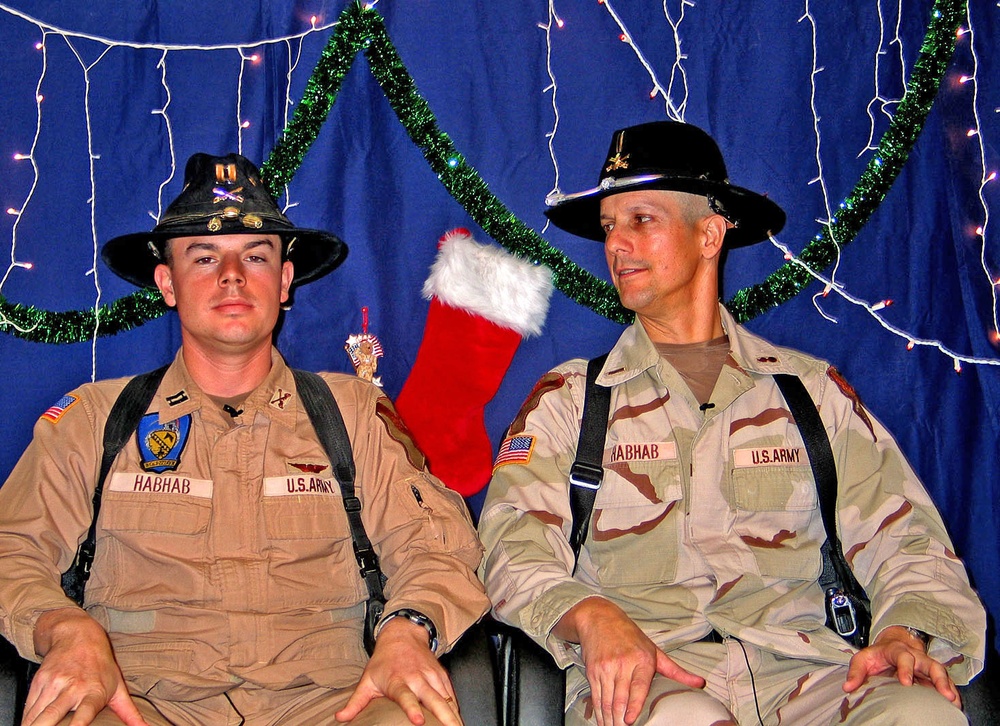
x=78, y=673
x=619, y=658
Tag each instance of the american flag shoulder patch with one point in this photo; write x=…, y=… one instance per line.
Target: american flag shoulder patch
x=55, y=412
x=515, y=450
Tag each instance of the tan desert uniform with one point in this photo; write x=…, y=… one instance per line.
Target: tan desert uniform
x=237, y=567
x=710, y=519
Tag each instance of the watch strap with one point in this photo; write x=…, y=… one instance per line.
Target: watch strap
x=418, y=618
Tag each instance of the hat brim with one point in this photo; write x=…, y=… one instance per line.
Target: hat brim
x=756, y=217
x=313, y=254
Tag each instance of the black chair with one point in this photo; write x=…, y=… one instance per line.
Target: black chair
x=12, y=670
x=531, y=688
x=471, y=664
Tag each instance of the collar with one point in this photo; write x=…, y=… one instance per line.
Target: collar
x=634, y=353
x=179, y=395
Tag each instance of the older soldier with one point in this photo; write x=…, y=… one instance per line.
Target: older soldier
x=225, y=588
x=696, y=598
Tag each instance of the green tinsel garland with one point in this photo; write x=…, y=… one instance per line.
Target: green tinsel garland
x=879, y=175
x=362, y=29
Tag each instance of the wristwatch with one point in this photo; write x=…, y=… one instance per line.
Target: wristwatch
x=415, y=616
x=918, y=634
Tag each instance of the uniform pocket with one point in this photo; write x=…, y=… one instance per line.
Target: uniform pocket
x=634, y=532
x=311, y=516
x=777, y=515
x=155, y=513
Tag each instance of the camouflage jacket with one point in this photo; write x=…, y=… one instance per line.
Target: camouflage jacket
x=711, y=519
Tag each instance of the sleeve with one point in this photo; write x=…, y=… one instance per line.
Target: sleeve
x=421, y=530
x=526, y=520
x=45, y=510
x=895, y=540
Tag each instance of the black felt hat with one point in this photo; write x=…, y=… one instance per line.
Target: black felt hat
x=676, y=157
x=223, y=195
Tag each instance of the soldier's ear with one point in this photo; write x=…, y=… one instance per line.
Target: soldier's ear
x=165, y=281
x=287, y=275
x=714, y=228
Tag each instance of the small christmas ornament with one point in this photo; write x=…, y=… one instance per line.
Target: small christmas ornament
x=365, y=349
x=484, y=300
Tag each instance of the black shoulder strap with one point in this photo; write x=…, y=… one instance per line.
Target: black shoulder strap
x=803, y=408
x=329, y=425
x=123, y=420
x=587, y=472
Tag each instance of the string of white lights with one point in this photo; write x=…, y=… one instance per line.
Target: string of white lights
x=293, y=63
x=985, y=177
x=678, y=67
x=169, y=129
x=314, y=27
x=819, y=178
x=883, y=102
x=552, y=88
x=48, y=30
x=626, y=37
x=92, y=199
x=874, y=309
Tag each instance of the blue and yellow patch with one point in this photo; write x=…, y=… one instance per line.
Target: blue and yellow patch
x=160, y=445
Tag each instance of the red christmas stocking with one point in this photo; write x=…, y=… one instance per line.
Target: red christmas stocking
x=483, y=301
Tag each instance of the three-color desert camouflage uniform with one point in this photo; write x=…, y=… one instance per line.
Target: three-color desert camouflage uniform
x=710, y=518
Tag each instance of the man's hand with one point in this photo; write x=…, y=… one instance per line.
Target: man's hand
x=620, y=660
x=895, y=649
x=78, y=673
x=404, y=669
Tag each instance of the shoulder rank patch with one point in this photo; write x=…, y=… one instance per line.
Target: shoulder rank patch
x=160, y=446
x=55, y=412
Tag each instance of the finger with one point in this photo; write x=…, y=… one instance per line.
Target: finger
x=595, y=701
x=638, y=690
x=361, y=697
x=408, y=701
x=434, y=693
x=943, y=683
x=124, y=708
x=445, y=709
x=439, y=681
x=85, y=713
x=665, y=666
x=52, y=712
x=620, y=697
x=48, y=716
x=857, y=673
x=904, y=668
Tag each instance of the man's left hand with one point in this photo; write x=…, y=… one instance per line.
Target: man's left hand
x=895, y=649
x=404, y=669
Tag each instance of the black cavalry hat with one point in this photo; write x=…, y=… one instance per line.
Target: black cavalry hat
x=673, y=156
x=222, y=195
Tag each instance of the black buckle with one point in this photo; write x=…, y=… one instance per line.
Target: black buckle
x=582, y=474
x=367, y=560
x=352, y=504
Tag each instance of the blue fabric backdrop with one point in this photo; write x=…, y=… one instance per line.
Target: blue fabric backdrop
x=102, y=152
